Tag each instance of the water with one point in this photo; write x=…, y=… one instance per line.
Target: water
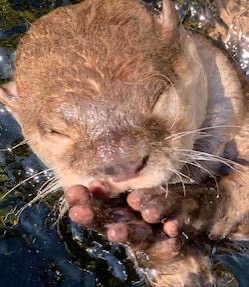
x=36, y=252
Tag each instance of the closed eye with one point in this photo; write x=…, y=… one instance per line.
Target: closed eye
x=156, y=100
x=51, y=131
x=45, y=130
x=159, y=93
x=54, y=132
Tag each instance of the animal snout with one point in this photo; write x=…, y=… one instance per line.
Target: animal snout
x=121, y=156
x=120, y=171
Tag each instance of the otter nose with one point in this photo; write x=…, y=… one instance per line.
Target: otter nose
x=125, y=170
x=119, y=156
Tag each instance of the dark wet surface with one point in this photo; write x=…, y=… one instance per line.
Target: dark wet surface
x=34, y=251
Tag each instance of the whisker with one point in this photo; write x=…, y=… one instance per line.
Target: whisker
x=46, y=184
x=185, y=133
x=38, y=197
x=10, y=149
x=179, y=175
x=165, y=188
x=24, y=181
x=203, y=156
x=63, y=208
x=211, y=159
x=184, y=175
x=50, y=188
x=196, y=164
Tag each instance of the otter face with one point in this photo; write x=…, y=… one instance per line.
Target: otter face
x=104, y=88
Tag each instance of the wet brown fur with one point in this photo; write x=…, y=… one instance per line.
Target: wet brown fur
x=96, y=76
x=120, y=58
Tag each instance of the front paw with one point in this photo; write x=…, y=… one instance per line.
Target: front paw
x=175, y=208
x=95, y=208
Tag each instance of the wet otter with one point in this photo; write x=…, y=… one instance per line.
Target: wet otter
x=118, y=94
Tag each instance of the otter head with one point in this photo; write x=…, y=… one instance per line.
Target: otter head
x=104, y=89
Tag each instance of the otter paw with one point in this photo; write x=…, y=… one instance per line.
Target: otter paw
x=156, y=207
x=94, y=208
x=79, y=200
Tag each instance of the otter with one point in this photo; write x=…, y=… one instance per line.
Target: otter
x=115, y=97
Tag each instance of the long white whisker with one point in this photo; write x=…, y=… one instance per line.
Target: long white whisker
x=37, y=198
x=10, y=149
x=184, y=175
x=185, y=133
x=203, y=156
x=25, y=180
x=210, y=159
x=196, y=164
x=51, y=188
x=63, y=208
x=46, y=184
x=179, y=175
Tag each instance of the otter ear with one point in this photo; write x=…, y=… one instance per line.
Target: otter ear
x=9, y=96
x=169, y=20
